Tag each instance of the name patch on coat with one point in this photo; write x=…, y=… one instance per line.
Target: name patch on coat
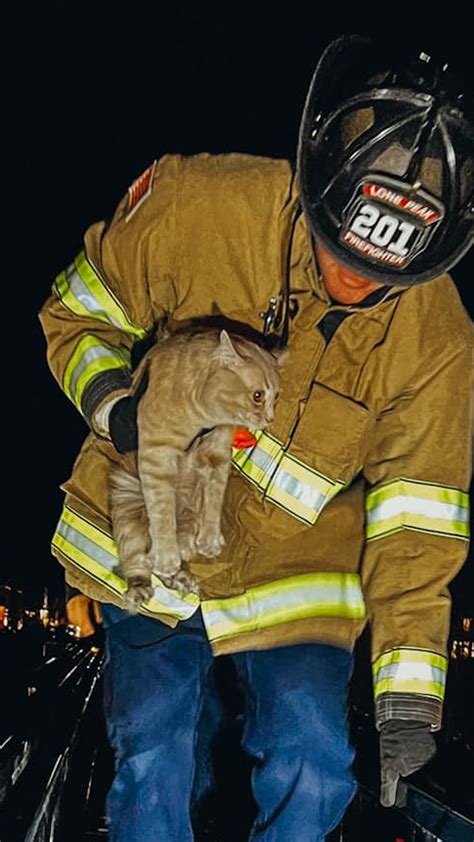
x=139, y=191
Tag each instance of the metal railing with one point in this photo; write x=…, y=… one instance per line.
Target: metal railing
x=421, y=819
x=47, y=739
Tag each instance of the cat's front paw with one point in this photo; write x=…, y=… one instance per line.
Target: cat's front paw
x=139, y=590
x=210, y=541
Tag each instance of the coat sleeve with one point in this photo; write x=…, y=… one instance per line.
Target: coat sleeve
x=417, y=520
x=113, y=294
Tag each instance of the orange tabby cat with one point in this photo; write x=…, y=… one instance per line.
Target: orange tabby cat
x=166, y=500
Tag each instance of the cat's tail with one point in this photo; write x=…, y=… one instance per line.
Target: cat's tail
x=130, y=528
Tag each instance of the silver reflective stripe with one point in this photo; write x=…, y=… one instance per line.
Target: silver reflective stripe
x=424, y=672
x=85, y=297
x=324, y=596
x=263, y=461
x=82, y=290
x=417, y=506
x=87, y=546
x=306, y=495
x=300, y=597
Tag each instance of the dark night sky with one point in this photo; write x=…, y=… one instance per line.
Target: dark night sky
x=95, y=94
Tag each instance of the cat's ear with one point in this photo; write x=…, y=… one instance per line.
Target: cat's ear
x=282, y=357
x=226, y=351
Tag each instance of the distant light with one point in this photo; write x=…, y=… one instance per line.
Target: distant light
x=462, y=649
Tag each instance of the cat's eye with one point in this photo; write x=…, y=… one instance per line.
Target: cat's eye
x=258, y=396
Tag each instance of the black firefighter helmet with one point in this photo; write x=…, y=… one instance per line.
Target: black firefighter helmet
x=386, y=162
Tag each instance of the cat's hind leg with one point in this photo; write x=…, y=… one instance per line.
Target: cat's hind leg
x=130, y=527
x=188, y=504
x=157, y=468
x=214, y=457
x=183, y=581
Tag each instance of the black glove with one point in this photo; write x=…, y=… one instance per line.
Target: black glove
x=405, y=746
x=123, y=419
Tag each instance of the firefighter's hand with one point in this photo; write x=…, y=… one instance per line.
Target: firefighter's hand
x=123, y=419
x=84, y=613
x=123, y=425
x=405, y=746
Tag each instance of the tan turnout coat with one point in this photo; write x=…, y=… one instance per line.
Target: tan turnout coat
x=353, y=505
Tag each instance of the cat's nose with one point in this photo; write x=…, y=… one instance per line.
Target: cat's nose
x=268, y=418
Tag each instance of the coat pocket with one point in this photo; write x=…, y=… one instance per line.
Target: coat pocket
x=331, y=434
x=325, y=453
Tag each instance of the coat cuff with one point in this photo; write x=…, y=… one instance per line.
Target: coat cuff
x=408, y=706
x=101, y=391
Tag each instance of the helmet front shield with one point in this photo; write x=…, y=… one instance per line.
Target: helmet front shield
x=385, y=161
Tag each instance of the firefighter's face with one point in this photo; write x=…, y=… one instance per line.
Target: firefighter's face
x=342, y=284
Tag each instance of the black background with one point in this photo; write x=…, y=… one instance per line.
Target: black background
x=93, y=94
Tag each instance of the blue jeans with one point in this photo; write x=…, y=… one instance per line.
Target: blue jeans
x=295, y=730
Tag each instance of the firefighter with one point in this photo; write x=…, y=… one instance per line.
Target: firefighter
x=353, y=506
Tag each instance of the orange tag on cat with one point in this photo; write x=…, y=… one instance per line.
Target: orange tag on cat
x=243, y=438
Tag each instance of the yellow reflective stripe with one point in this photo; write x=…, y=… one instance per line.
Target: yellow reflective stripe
x=427, y=688
x=425, y=490
x=407, y=670
x=95, y=552
x=90, y=358
x=406, y=520
x=409, y=504
x=421, y=656
x=75, y=554
x=67, y=297
x=285, y=480
x=81, y=289
x=282, y=601
x=259, y=461
x=91, y=532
